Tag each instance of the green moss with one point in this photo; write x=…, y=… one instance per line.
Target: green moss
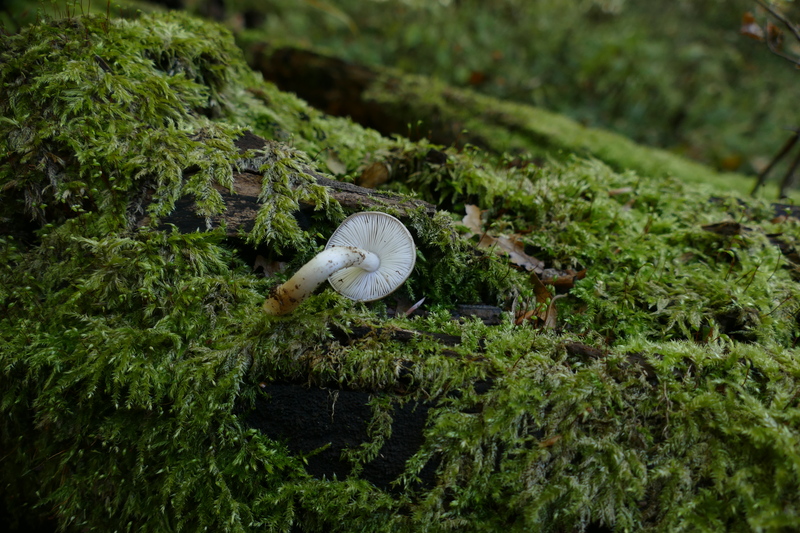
x=652, y=268
x=89, y=118
x=128, y=356
x=501, y=127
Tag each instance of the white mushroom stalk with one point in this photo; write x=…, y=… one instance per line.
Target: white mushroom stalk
x=369, y=256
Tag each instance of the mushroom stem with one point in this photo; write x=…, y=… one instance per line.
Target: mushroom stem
x=285, y=298
x=371, y=254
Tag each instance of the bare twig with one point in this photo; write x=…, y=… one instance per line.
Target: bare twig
x=788, y=178
x=762, y=176
x=783, y=20
x=775, y=50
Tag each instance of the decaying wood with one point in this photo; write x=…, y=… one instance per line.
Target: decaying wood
x=242, y=204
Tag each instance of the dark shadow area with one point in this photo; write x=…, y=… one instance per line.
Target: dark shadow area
x=312, y=419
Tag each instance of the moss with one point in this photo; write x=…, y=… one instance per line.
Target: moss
x=129, y=356
x=335, y=144
x=88, y=119
x=653, y=268
x=506, y=127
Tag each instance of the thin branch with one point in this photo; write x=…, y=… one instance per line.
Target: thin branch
x=788, y=178
x=777, y=52
x=762, y=176
x=786, y=22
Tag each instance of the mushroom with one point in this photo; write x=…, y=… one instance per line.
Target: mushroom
x=368, y=256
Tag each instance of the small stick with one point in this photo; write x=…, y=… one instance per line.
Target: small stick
x=762, y=176
x=788, y=179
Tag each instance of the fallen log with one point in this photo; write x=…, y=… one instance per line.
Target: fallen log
x=242, y=202
x=417, y=107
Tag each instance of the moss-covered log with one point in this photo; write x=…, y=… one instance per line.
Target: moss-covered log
x=141, y=388
x=395, y=103
x=243, y=199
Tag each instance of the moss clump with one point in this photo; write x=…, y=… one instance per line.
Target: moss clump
x=666, y=398
x=670, y=438
x=95, y=109
x=656, y=267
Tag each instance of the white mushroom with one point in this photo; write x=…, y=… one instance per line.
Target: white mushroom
x=369, y=256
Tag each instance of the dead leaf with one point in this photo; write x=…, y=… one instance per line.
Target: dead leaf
x=511, y=245
x=563, y=280
x=550, y=441
x=516, y=252
x=472, y=219
x=527, y=315
x=750, y=28
x=774, y=36
x=374, y=175
x=543, y=296
x=545, y=309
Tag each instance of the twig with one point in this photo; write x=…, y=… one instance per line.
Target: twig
x=786, y=22
x=777, y=52
x=788, y=178
x=762, y=176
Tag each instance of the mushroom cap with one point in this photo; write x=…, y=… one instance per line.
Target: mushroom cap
x=384, y=236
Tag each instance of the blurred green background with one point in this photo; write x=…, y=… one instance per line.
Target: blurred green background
x=675, y=74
